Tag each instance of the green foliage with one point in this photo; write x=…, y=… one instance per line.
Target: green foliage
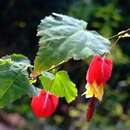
x=60, y=85
x=14, y=81
x=63, y=37
x=47, y=79
x=106, y=16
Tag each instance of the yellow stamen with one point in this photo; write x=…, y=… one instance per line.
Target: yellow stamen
x=93, y=90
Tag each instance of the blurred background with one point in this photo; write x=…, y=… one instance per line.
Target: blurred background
x=18, y=25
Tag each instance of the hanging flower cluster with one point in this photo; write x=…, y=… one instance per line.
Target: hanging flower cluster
x=98, y=74
x=45, y=104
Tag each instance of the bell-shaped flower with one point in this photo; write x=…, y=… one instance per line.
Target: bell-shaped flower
x=98, y=74
x=45, y=104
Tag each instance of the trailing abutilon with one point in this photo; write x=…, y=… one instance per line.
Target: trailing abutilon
x=45, y=104
x=98, y=74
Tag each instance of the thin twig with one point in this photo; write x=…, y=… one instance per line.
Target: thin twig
x=115, y=42
x=120, y=33
x=56, y=66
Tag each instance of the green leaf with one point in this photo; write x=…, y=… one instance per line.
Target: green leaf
x=20, y=58
x=63, y=37
x=60, y=85
x=46, y=79
x=13, y=78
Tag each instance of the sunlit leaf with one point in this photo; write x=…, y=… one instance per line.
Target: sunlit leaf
x=60, y=85
x=63, y=37
x=46, y=80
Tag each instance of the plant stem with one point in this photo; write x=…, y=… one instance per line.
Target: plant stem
x=56, y=66
x=120, y=33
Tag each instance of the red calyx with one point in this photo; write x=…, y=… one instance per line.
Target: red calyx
x=99, y=70
x=44, y=105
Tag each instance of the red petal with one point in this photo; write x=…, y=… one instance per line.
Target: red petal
x=95, y=71
x=106, y=68
x=90, y=109
x=99, y=70
x=44, y=105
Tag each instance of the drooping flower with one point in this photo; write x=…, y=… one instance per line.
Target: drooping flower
x=45, y=104
x=98, y=74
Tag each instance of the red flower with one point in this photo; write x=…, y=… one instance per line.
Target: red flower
x=44, y=105
x=98, y=74
x=99, y=70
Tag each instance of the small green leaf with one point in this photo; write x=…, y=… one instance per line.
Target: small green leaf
x=13, y=78
x=46, y=80
x=63, y=37
x=60, y=85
